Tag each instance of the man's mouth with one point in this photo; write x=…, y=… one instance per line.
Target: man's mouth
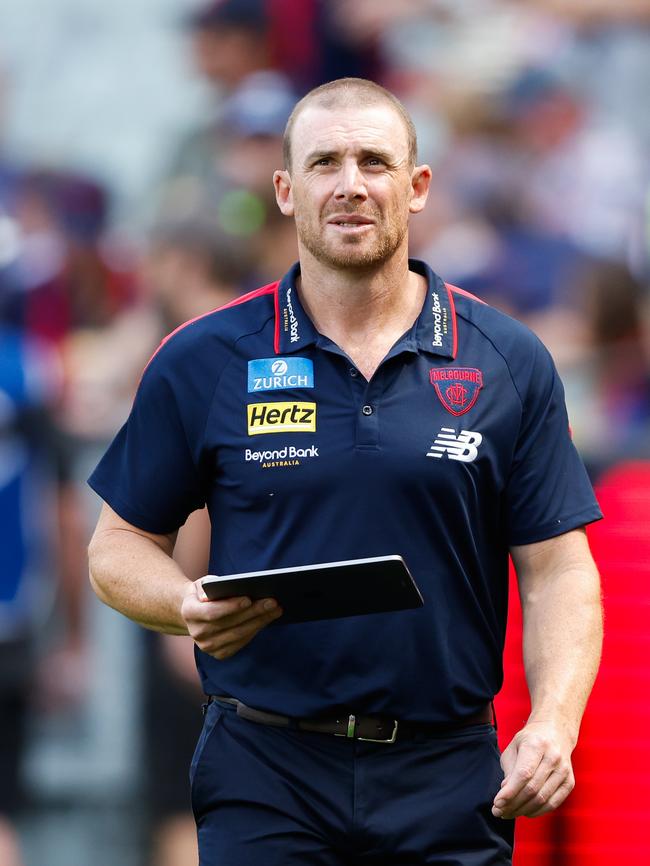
x=350, y=221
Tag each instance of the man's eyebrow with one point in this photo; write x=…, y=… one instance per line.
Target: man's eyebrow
x=384, y=155
x=315, y=155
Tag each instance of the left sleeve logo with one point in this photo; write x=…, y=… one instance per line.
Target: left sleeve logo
x=457, y=387
x=281, y=418
x=279, y=374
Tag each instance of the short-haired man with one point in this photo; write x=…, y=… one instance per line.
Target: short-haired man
x=436, y=430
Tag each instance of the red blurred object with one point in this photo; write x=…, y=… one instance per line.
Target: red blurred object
x=608, y=812
x=605, y=819
x=539, y=840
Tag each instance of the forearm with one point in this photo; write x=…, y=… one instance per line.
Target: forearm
x=562, y=643
x=137, y=577
x=560, y=600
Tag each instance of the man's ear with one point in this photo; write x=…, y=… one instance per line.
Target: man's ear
x=283, y=192
x=420, y=183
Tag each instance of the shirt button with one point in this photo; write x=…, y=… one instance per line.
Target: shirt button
x=354, y=372
x=367, y=410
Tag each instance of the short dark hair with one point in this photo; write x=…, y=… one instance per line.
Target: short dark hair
x=218, y=14
x=358, y=92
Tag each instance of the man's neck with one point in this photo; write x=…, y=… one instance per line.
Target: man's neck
x=363, y=311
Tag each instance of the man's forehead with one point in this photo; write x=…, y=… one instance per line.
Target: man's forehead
x=319, y=127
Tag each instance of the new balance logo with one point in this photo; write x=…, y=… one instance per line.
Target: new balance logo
x=463, y=447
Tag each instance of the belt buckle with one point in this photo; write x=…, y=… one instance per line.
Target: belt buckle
x=390, y=739
x=350, y=733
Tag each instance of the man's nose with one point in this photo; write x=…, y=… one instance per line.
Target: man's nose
x=350, y=182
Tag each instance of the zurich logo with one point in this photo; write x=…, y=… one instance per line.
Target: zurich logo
x=280, y=374
x=279, y=367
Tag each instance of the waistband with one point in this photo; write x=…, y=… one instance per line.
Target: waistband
x=372, y=729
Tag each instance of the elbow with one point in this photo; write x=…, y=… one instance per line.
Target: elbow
x=97, y=569
x=96, y=586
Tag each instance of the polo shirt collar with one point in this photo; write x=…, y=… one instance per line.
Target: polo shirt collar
x=434, y=330
x=294, y=329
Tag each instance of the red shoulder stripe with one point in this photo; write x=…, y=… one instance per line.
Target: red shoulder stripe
x=454, y=323
x=464, y=293
x=256, y=293
x=242, y=299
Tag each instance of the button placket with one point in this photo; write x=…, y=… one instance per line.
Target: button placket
x=368, y=414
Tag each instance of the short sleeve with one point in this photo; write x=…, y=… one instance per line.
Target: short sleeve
x=548, y=491
x=149, y=474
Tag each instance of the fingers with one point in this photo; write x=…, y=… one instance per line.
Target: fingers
x=227, y=611
x=231, y=641
x=508, y=760
x=221, y=628
x=525, y=768
x=538, y=778
x=550, y=796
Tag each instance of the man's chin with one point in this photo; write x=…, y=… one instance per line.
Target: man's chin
x=354, y=257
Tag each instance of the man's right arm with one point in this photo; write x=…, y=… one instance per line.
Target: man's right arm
x=133, y=572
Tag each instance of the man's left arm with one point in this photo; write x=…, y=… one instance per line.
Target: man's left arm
x=561, y=604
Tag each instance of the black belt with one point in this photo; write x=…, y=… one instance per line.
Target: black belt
x=372, y=729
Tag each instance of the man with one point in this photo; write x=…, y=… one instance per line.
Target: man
x=360, y=407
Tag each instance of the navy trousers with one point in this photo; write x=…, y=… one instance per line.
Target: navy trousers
x=267, y=796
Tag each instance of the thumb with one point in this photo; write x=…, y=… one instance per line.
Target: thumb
x=200, y=592
x=509, y=758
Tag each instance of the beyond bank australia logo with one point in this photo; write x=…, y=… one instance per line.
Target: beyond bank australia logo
x=277, y=374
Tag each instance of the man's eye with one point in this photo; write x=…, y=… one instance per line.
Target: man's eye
x=324, y=161
x=374, y=161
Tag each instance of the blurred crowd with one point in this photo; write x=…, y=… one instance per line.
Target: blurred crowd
x=534, y=117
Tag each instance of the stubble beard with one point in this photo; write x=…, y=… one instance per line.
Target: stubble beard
x=354, y=254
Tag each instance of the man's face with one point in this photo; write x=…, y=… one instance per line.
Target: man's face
x=351, y=187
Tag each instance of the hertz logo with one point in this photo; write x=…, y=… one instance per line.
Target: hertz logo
x=281, y=418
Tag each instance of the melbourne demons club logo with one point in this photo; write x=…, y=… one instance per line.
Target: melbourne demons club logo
x=457, y=387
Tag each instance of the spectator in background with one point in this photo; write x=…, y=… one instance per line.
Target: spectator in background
x=490, y=239
x=231, y=49
x=583, y=176
x=309, y=41
x=233, y=185
x=27, y=576
x=63, y=279
x=608, y=380
x=230, y=41
x=72, y=287
x=257, y=56
x=256, y=124
x=577, y=189
x=192, y=267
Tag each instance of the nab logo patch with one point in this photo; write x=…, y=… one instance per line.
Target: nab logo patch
x=463, y=447
x=276, y=374
x=457, y=387
x=281, y=418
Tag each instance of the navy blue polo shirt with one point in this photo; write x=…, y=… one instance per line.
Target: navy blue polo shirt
x=457, y=448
